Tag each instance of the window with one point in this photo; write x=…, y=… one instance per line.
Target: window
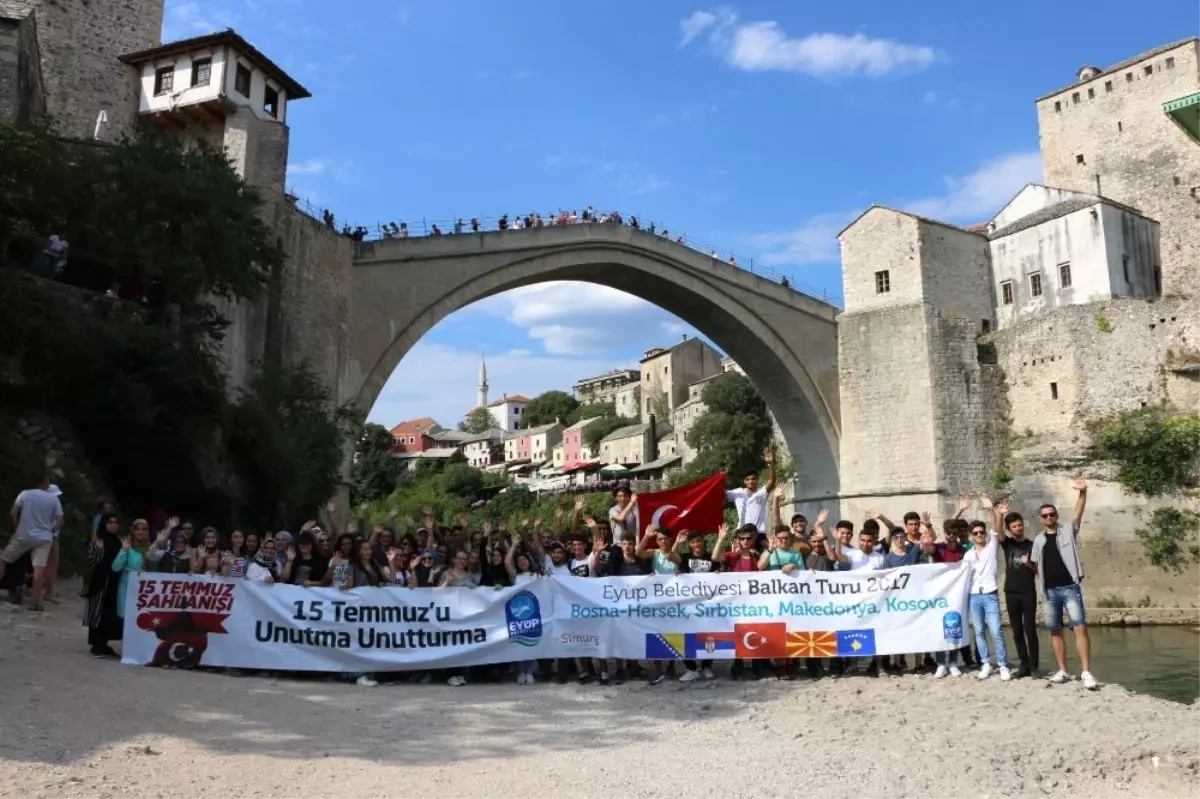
x=1129, y=77
x=1176, y=180
x=883, y=282
x=1054, y=391
x=1075, y=97
x=1091, y=94
x=164, y=80
x=271, y=101
x=201, y=71
x=1057, y=105
x=1006, y=292
x=1079, y=158
x=666, y=370
x=1171, y=62
x=1064, y=275
x=517, y=411
x=241, y=80
x=1035, y=284
x=986, y=326
x=1120, y=127
x=1157, y=279
x=1148, y=69
x=1125, y=267
x=1107, y=86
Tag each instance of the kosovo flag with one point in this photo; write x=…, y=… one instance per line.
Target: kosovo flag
x=664, y=646
x=855, y=643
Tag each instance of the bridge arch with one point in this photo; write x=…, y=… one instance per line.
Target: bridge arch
x=786, y=342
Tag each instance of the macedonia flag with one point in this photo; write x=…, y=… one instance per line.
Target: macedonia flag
x=812, y=645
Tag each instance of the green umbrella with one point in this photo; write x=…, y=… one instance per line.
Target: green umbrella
x=614, y=468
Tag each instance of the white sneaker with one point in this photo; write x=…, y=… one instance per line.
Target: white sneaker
x=365, y=682
x=1059, y=677
x=521, y=678
x=689, y=675
x=940, y=673
x=530, y=679
x=985, y=672
x=1089, y=682
x=954, y=671
x=707, y=673
x=1005, y=674
x=456, y=681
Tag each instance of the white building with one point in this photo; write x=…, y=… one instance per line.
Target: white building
x=485, y=449
x=604, y=388
x=506, y=411
x=219, y=88
x=1053, y=247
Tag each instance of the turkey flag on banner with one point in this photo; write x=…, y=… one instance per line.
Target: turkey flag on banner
x=695, y=506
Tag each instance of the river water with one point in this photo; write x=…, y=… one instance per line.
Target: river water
x=1160, y=661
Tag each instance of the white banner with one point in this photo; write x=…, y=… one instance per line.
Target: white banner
x=190, y=621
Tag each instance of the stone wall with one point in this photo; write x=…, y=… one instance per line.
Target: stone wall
x=956, y=272
x=258, y=149
x=1149, y=354
x=80, y=42
x=1131, y=151
x=21, y=93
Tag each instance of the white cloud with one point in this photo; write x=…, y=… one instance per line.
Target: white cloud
x=814, y=242
x=930, y=97
x=183, y=19
x=969, y=198
x=447, y=390
x=641, y=184
x=313, y=166
x=766, y=46
x=980, y=194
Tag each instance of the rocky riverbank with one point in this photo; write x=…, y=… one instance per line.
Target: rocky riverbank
x=79, y=727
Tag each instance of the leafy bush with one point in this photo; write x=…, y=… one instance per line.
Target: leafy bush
x=1001, y=477
x=1102, y=323
x=1155, y=448
x=1170, y=538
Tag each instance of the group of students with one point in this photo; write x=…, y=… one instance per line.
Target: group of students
x=494, y=556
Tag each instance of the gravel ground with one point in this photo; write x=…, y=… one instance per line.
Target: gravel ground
x=73, y=726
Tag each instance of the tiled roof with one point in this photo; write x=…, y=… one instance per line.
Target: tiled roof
x=1055, y=211
x=513, y=398
x=1120, y=65
x=626, y=432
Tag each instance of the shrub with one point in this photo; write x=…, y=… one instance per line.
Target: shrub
x=1170, y=538
x=1154, y=448
x=1102, y=323
x=1001, y=477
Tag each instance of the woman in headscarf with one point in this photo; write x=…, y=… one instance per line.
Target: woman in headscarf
x=100, y=610
x=264, y=568
x=130, y=560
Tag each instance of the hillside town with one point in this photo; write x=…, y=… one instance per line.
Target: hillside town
x=663, y=398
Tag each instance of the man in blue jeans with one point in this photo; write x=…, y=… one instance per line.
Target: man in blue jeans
x=1056, y=555
x=985, y=599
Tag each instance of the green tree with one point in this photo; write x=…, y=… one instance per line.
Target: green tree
x=286, y=439
x=1154, y=448
x=36, y=184
x=548, y=408
x=596, y=431
x=733, y=431
x=476, y=422
x=461, y=481
x=375, y=470
x=1170, y=538
x=173, y=214
x=591, y=411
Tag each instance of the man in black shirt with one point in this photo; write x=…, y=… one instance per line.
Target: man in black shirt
x=1056, y=555
x=1020, y=586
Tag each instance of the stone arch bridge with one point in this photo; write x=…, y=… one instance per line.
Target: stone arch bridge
x=785, y=341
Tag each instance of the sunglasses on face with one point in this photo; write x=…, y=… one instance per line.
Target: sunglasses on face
x=979, y=532
x=1049, y=515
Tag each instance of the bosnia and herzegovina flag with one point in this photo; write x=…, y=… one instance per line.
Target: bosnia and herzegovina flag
x=690, y=646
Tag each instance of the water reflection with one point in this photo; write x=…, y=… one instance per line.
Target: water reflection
x=1160, y=661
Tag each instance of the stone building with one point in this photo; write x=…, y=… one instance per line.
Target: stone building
x=485, y=449
x=666, y=374
x=1129, y=133
x=605, y=387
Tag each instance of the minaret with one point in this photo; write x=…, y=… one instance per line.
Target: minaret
x=481, y=386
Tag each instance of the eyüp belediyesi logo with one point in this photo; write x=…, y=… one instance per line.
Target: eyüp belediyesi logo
x=952, y=627
x=523, y=613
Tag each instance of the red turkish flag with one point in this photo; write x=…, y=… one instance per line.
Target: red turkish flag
x=761, y=640
x=695, y=506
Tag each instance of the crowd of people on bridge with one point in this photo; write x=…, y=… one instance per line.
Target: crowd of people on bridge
x=499, y=554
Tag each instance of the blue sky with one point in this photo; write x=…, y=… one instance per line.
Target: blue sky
x=760, y=128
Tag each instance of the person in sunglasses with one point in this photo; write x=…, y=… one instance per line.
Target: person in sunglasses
x=1056, y=557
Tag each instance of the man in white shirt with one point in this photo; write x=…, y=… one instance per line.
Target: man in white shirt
x=37, y=515
x=849, y=558
x=750, y=500
x=985, y=599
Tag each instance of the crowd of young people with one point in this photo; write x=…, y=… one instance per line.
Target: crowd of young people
x=616, y=545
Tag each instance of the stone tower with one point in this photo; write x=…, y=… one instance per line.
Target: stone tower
x=917, y=296
x=482, y=385
x=1129, y=132
x=79, y=44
